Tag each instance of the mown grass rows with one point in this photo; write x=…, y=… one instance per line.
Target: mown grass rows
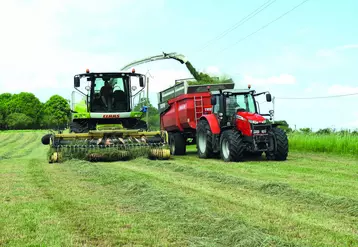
x=340, y=204
x=18, y=145
x=308, y=200
x=181, y=204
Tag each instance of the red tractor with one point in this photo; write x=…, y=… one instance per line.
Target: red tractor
x=221, y=120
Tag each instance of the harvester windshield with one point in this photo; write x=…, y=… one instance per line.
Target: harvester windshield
x=110, y=95
x=110, y=92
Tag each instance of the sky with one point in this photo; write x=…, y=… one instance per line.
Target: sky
x=309, y=52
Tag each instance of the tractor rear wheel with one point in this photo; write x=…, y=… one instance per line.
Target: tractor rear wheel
x=280, y=140
x=177, y=144
x=231, y=146
x=204, y=139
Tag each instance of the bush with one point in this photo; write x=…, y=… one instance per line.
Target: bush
x=19, y=121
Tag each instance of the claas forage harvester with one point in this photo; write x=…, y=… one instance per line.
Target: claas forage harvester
x=107, y=128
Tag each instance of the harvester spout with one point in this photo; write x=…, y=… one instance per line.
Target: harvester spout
x=173, y=55
x=179, y=57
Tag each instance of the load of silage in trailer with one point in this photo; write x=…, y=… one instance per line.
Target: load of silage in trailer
x=106, y=149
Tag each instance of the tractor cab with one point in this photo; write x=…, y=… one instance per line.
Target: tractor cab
x=233, y=104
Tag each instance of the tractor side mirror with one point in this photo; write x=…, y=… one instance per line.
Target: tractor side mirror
x=141, y=81
x=76, y=81
x=213, y=100
x=268, y=97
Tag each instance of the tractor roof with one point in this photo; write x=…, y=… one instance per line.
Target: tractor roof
x=235, y=91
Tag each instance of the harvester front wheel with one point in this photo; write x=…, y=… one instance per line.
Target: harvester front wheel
x=46, y=139
x=204, y=140
x=280, y=141
x=231, y=146
x=177, y=144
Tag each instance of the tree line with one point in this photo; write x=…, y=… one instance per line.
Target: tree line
x=26, y=111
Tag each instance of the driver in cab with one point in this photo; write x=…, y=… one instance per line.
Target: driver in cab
x=106, y=94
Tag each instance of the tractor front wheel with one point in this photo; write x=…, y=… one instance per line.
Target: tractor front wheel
x=231, y=146
x=280, y=141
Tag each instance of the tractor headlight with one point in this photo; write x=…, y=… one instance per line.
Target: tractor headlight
x=241, y=118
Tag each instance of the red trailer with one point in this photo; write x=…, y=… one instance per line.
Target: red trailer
x=220, y=120
x=180, y=108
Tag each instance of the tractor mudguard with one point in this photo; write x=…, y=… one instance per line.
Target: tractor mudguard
x=213, y=123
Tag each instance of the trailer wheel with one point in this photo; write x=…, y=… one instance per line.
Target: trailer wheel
x=280, y=141
x=204, y=141
x=231, y=146
x=177, y=144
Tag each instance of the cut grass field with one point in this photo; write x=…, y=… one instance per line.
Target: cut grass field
x=309, y=200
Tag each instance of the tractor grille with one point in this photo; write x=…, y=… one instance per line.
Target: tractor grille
x=261, y=137
x=260, y=129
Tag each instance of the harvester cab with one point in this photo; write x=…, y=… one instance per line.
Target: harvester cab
x=107, y=125
x=109, y=101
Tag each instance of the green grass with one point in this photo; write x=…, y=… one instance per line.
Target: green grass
x=309, y=200
x=328, y=143
x=4, y=132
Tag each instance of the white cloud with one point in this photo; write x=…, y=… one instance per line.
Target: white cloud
x=163, y=79
x=325, y=53
x=341, y=89
x=345, y=47
x=334, y=51
x=278, y=80
x=291, y=59
x=212, y=70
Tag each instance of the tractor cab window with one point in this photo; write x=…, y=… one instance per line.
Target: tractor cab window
x=236, y=101
x=110, y=95
x=216, y=108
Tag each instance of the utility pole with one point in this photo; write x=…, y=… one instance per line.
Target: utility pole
x=147, y=115
x=147, y=102
x=273, y=105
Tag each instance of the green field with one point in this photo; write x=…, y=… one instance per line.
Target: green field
x=336, y=143
x=309, y=200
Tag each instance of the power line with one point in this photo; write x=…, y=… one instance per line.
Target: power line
x=241, y=22
x=322, y=97
x=266, y=25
